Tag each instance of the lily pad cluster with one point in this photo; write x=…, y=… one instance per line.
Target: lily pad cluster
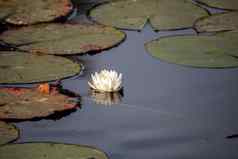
x=27, y=60
x=162, y=14
x=204, y=51
x=35, y=54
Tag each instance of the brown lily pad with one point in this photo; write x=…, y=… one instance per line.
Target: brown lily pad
x=18, y=67
x=63, y=39
x=8, y=132
x=218, y=22
x=25, y=103
x=25, y=12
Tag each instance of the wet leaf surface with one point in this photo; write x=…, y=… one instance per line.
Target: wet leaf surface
x=64, y=39
x=25, y=103
x=218, y=22
x=50, y=151
x=162, y=14
x=197, y=51
x=8, y=132
x=224, y=4
x=17, y=67
x=25, y=12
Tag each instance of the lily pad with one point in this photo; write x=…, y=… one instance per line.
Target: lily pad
x=25, y=103
x=25, y=12
x=162, y=14
x=62, y=39
x=219, y=22
x=223, y=4
x=8, y=132
x=50, y=151
x=197, y=51
x=17, y=67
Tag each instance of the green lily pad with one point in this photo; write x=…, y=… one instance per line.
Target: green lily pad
x=8, y=133
x=25, y=12
x=197, y=51
x=218, y=22
x=23, y=103
x=62, y=39
x=50, y=151
x=162, y=14
x=223, y=4
x=17, y=67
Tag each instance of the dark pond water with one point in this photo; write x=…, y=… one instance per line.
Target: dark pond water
x=167, y=111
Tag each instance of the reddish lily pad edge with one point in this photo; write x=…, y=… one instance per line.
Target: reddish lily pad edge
x=56, y=115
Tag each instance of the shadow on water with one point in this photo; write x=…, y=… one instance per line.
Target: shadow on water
x=166, y=111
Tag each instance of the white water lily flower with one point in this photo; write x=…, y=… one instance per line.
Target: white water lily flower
x=106, y=81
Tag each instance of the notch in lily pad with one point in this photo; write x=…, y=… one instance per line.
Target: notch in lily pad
x=162, y=14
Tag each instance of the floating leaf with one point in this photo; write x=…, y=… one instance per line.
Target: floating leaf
x=224, y=4
x=8, y=132
x=218, y=22
x=162, y=14
x=23, y=103
x=25, y=12
x=63, y=39
x=16, y=67
x=50, y=151
x=197, y=51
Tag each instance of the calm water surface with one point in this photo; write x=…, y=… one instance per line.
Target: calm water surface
x=167, y=111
